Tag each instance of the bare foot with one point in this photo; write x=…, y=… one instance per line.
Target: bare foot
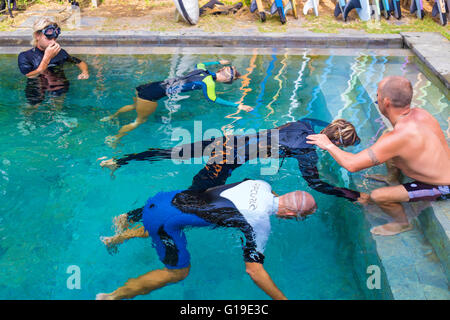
x=108, y=118
x=120, y=223
x=112, y=141
x=392, y=228
x=103, y=296
x=110, y=164
x=111, y=247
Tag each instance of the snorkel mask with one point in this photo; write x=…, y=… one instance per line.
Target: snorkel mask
x=231, y=75
x=51, y=31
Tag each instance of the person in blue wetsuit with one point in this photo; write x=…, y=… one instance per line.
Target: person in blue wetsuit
x=230, y=152
x=246, y=206
x=43, y=64
x=146, y=101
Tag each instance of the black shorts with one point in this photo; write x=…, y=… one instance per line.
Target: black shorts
x=419, y=191
x=152, y=91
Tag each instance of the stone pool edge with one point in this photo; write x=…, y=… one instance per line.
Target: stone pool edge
x=429, y=47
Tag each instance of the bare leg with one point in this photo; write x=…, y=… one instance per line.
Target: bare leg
x=124, y=109
x=136, y=232
x=144, y=108
x=389, y=200
x=146, y=283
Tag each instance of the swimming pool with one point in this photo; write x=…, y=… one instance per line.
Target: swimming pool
x=57, y=201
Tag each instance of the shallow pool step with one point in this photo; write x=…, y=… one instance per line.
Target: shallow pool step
x=412, y=267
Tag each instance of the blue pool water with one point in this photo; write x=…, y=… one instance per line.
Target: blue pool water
x=56, y=201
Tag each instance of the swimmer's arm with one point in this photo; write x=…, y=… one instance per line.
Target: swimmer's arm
x=39, y=70
x=263, y=280
x=226, y=103
x=315, y=122
x=209, y=91
x=385, y=148
x=84, y=70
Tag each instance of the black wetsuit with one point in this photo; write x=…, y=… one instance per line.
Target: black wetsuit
x=292, y=144
x=52, y=81
x=246, y=206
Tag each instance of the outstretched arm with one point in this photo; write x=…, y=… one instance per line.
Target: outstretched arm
x=263, y=280
x=387, y=147
x=307, y=165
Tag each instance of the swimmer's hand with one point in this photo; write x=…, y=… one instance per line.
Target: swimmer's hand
x=363, y=199
x=110, y=164
x=103, y=296
x=224, y=62
x=245, y=107
x=320, y=140
x=83, y=76
x=51, y=51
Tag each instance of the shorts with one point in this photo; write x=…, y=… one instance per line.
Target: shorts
x=419, y=191
x=152, y=91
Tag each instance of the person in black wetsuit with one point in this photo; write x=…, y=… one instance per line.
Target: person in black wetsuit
x=246, y=206
x=43, y=64
x=147, y=95
x=230, y=152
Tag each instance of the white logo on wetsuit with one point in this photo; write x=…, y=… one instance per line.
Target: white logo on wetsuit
x=253, y=199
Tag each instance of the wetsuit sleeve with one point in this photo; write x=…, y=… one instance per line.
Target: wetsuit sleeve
x=25, y=65
x=69, y=58
x=307, y=165
x=209, y=91
x=205, y=64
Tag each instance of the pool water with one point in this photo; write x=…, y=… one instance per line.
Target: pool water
x=56, y=201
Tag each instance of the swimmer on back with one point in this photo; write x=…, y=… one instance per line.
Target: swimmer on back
x=245, y=205
x=146, y=101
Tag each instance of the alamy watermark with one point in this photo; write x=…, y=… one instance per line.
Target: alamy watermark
x=74, y=280
x=216, y=148
x=374, y=280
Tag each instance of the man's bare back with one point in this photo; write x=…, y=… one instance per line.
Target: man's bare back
x=424, y=154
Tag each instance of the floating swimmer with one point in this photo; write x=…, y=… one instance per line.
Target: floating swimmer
x=246, y=206
x=230, y=152
x=146, y=101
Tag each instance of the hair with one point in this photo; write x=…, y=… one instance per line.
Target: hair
x=341, y=129
x=38, y=25
x=237, y=75
x=398, y=90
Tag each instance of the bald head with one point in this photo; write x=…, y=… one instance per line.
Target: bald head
x=397, y=89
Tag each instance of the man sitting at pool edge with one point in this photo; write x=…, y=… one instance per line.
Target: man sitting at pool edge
x=416, y=146
x=245, y=205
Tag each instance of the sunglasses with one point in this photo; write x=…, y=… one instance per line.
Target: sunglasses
x=51, y=31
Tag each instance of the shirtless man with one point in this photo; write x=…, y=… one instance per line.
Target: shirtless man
x=416, y=146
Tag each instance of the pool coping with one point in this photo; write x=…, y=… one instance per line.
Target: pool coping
x=427, y=46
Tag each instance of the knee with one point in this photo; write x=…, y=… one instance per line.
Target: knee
x=379, y=196
x=180, y=274
x=140, y=121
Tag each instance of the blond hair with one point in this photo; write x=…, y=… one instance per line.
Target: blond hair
x=38, y=25
x=341, y=130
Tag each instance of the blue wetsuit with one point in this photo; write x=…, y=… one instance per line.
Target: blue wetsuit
x=198, y=79
x=291, y=144
x=246, y=206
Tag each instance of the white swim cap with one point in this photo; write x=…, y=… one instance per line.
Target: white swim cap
x=300, y=202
